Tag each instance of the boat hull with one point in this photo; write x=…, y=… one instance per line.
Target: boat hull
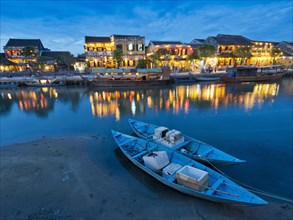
x=238, y=79
x=203, y=78
x=127, y=83
x=198, y=150
x=215, y=194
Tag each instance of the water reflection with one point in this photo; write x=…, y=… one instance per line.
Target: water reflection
x=181, y=98
x=175, y=99
x=38, y=100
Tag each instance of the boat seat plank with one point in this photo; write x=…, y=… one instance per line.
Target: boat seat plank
x=126, y=142
x=117, y=135
x=215, y=186
x=139, y=154
x=181, y=145
x=143, y=152
x=170, y=178
x=206, y=153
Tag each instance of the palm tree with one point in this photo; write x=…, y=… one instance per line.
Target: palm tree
x=117, y=56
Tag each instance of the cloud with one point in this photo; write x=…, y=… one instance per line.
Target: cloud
x=63, y=26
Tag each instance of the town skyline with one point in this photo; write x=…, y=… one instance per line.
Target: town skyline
x=63, y=25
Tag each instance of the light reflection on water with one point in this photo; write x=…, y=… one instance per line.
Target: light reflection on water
x=251, y=121
x=174, y=99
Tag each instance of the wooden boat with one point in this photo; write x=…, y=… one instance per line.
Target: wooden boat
x=8, y=85
x=120, y=82
x=183, y=78
x=188, y=146
x=45, y=83
x=273, y=69
x=249, y=74
x=208, y=78
x=182, y=173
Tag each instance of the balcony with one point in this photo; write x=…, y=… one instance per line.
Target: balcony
x=99, y=53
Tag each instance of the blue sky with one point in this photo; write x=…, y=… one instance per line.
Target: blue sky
x=62, y=25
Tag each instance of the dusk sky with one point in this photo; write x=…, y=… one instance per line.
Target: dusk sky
x=63, y=25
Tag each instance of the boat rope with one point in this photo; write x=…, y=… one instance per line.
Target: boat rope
x=250, y=188
x=219, y=191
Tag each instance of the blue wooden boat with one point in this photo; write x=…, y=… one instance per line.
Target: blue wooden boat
x=188, y=146
x=182, y=173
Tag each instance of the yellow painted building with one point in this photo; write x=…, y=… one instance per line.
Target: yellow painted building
x=177, y=55
x=133, y=49
x=98, y=51
x=261, y=53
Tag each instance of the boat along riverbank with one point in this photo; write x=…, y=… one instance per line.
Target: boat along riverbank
x=240, y=118
x=48, y=177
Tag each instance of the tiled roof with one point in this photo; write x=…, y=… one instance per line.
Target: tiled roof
x=53, y=53
x=225, y=39
x=124, y=36
x=289, y=43
x=197, y=41
x=194, y=45
x=4, y=61
x=287, y=53
x=90, y=39
x=165, y=42
x=24, y=43
x=286, y=48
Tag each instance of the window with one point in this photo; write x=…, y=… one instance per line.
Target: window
x=183, y=52
x=130, y=47
x=119, y=46
x=131, y=63
x=139, y=47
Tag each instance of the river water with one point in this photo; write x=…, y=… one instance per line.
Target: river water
x=252, y=121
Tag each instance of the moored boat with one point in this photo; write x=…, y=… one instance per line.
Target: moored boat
x=273, y=69
x=249, y=74
x=115, y=82
x=8, y=84
x=45, y=83
x=184, y=144
x=182, y=173
x=208, y=78
x=134, y=77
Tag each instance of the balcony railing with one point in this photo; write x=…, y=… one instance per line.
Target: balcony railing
x=99, y=53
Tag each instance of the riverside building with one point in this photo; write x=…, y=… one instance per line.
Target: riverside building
x=30, y=55
x=176, y=54
x=99, y=50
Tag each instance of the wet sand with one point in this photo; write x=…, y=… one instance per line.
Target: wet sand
x=54, y=178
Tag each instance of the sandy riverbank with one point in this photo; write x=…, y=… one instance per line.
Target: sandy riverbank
x=54, y=178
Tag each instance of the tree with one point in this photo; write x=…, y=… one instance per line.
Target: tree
x=141, y=64
x=206, y=50
x=65, y=58
x=42, y=61
x=193, y=56
x=117, y=56
x=154, y=59
x=242, y=52
x=162, y=52
x=276, y=52
x=28, y=52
